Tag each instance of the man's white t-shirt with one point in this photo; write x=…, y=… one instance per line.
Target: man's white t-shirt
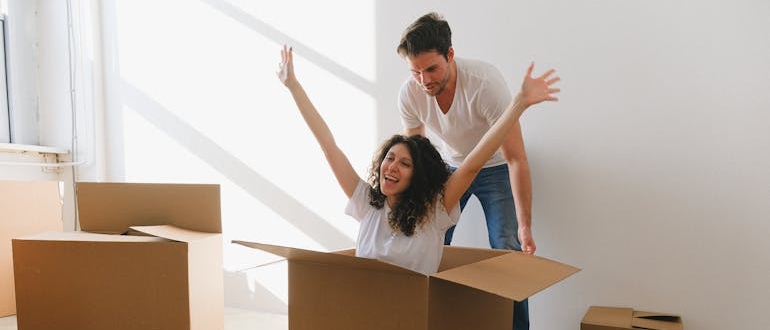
x=420, y=252
x=480, y=98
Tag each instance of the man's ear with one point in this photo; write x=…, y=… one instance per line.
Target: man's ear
x=450, y=54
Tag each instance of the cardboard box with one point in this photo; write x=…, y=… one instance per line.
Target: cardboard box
x=27, y=207
x=149, y=256
x=473, y=289
x=622, y=318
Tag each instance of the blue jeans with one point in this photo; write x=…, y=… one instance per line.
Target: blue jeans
x=492, y=187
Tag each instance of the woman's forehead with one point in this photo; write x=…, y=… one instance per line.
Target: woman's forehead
x=400, y=150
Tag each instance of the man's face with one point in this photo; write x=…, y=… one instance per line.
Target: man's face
x=431, y=70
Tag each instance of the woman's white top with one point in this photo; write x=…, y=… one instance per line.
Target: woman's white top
x=420, y=252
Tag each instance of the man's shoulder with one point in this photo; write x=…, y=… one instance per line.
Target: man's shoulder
x=477, y=74
x=473, y=64
x=477, y=70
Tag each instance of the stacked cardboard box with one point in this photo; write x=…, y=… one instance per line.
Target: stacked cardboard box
x=149, y=256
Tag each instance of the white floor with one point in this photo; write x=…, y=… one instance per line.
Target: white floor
x=235, y=319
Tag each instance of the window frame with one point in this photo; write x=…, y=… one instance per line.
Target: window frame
x=5, y=108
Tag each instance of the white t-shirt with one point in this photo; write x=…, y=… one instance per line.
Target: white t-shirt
x=481, y=96
x=420, y=252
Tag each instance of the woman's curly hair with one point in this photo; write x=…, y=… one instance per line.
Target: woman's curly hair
x=430, y=174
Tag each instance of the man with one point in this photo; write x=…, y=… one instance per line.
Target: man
x=458, y=100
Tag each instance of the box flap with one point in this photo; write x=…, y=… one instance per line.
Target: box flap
x=619, y=317
x=514, y=275
x=80, y=236
x=340, y=259
x=112, y=207
x=656, y=321
x=173, y=233
x=456, y=256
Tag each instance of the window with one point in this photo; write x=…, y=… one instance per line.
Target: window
x=5, y=127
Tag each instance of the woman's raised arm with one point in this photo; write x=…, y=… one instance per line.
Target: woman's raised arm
x=340, y=165
x=533, y=91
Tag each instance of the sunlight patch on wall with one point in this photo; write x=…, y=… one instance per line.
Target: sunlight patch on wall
x=152, y=156
x=205, y=106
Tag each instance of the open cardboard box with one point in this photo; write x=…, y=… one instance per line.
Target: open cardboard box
x=473, y=289
x=623, y=318
x=149, y=256
x=29, y=207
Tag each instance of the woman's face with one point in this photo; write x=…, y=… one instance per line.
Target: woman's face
x=396, y=172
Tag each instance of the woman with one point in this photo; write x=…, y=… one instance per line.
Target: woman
x=410, y=198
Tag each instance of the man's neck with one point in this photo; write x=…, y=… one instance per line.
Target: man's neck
x=446, y=97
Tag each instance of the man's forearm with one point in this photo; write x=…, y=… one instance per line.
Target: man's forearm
x=521, y=187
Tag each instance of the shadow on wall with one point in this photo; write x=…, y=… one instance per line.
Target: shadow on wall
x=234, y=169
x=244, y=291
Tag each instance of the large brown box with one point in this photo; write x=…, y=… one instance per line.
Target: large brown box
x=473, y=289
x=27, y=207
x=624, y=318
x=149, y=256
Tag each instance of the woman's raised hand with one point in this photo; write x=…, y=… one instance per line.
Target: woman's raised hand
x=286, y=67
x=536, y=90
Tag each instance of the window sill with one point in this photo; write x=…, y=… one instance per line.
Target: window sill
x=24, y=148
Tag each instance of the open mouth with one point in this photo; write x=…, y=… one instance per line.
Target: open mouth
x=391, y=178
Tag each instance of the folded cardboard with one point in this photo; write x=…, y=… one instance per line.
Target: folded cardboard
x=623, y=318
x=473, y=289
x=149, y=256
x=28, y=207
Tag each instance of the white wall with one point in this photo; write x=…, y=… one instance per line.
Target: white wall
x=652, y=173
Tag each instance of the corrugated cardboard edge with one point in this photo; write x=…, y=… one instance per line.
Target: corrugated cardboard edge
x=174, y=233
x=82, y=236
x=206, y=290
x=342, y=259
x=513, y=275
